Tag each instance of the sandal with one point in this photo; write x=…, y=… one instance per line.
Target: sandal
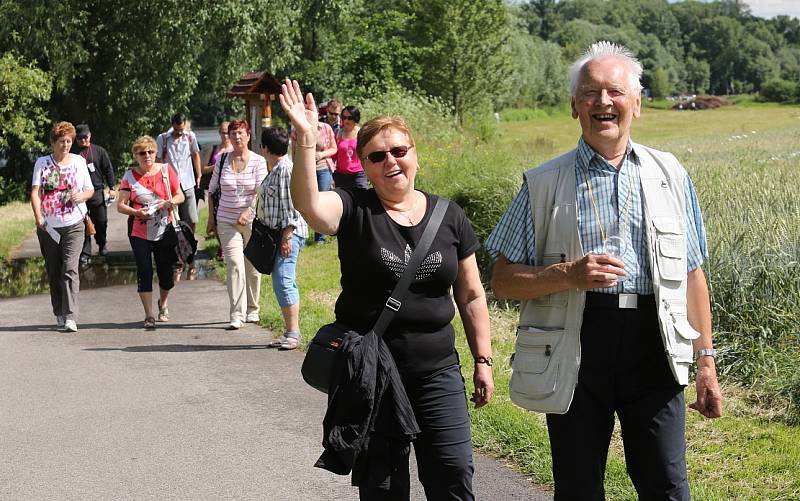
x=149, y=324
x=276, y=343
x=289, y=344
x=163, y=313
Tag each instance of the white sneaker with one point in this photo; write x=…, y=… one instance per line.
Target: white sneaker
x=60, y=321
x=70, y=326
x=235, y=325
x=252, y=318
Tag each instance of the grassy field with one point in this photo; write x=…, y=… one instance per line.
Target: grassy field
x=16, y=223
x=744, y=162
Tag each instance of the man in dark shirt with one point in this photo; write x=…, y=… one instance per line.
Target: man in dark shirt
x=100, y=171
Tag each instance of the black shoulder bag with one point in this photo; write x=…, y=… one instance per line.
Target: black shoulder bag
x=318, y=365
x=264, y=244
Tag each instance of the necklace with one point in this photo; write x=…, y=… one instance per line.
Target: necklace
x=623, y=230
x=405, y=213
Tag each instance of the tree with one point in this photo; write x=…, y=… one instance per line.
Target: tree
x=698, y=74
x=660, y=86
x=464, y=51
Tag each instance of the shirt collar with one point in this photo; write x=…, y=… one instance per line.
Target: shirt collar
x=587, y=158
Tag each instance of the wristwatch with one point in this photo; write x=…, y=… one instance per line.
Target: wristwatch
x=705, y=352
x=484, y=360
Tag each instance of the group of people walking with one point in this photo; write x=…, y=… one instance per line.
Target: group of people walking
x=603, y=246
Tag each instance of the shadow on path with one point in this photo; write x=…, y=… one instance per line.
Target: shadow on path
x=181, y=348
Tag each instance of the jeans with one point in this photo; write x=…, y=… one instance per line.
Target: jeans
x=324, y=181
x=284, y=273
x=244, y=281
x=357, y=180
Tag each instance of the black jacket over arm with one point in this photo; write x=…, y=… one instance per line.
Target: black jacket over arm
x=364, y=374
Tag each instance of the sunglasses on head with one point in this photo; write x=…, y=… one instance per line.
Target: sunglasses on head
x=144, y=153
x=379, y=156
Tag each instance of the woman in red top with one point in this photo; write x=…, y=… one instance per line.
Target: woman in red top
x=143, y=198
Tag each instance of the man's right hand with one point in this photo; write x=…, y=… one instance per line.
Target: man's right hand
x=595, y=271
x=211, y=228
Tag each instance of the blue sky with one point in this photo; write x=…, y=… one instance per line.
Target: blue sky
x=772, y=8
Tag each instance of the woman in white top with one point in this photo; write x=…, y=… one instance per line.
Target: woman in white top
x=237, y=176
x=59, y=190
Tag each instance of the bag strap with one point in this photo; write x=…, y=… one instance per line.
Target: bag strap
x=394, y=302
x=165, y=177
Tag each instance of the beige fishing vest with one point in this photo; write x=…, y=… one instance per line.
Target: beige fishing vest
x=548, y=352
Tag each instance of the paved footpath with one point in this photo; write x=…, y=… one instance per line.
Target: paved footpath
x=190, y=411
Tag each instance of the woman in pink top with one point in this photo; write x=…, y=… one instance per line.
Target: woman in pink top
x=349, y=172
x=145, y=199
x=237, y=175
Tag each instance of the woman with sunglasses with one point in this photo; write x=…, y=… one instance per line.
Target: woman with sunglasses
x=237, y=178
x=59, y=190
x=377, y=229
x=349, y=172
x=148, y=193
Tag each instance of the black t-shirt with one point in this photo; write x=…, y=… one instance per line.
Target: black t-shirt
x=373, y=250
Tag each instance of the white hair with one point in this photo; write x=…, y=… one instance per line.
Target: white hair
x=603, y=49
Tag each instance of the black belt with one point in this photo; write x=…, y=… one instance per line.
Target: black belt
x=620, y=301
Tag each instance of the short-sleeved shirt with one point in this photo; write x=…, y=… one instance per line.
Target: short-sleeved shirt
x=57, y=183
x=179, y=155
x=237, y=189
x=274, y=206
x=347, y=161
x=373, y=252
x=147, y=190
x=615, y=193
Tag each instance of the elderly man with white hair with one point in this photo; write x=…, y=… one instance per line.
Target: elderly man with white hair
x=603, y=246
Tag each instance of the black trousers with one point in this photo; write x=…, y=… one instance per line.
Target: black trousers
x=624, y=371
x=443, y=449
x=164, y=256
x=99, y=215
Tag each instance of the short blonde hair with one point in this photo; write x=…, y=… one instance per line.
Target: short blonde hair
x=143, y=142
x=378, y=125
x=62, y=129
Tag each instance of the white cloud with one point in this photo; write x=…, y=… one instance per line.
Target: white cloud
x=772, y=8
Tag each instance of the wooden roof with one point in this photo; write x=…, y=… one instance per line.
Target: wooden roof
x=255, y=82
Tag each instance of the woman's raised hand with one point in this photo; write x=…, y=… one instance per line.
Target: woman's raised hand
x=302, y=112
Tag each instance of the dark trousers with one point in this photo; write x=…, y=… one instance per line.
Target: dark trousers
x=165, y=258
x=61, y=260
x=357, y=180
x=443, y=449
x=624, y=371
x=99, y=215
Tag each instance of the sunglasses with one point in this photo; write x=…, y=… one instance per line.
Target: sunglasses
x=377, y=157
x=347, y=117
x=333, y=114
x=144, y=153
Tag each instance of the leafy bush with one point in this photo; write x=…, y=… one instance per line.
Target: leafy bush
x=780, y=91
x=427, y=116
x=11, y=190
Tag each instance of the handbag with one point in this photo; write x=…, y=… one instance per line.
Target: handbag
x=317, y=369
x=185, y=242
x=90, y=229
x=262, y=248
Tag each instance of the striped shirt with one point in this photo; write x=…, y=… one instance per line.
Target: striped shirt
x=274, y=205
x=238, y=189
x=513, y=237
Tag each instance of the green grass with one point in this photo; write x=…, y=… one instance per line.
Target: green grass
x=16, y=223
x=747, y=188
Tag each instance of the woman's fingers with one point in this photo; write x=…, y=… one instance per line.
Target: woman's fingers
x=310, y=104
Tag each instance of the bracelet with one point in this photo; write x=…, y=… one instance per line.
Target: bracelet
x=705, y=352
x=307, y=146
x=484, y=360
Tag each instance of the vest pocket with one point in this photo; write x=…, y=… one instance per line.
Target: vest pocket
x=683, y=350
x=535, y=368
